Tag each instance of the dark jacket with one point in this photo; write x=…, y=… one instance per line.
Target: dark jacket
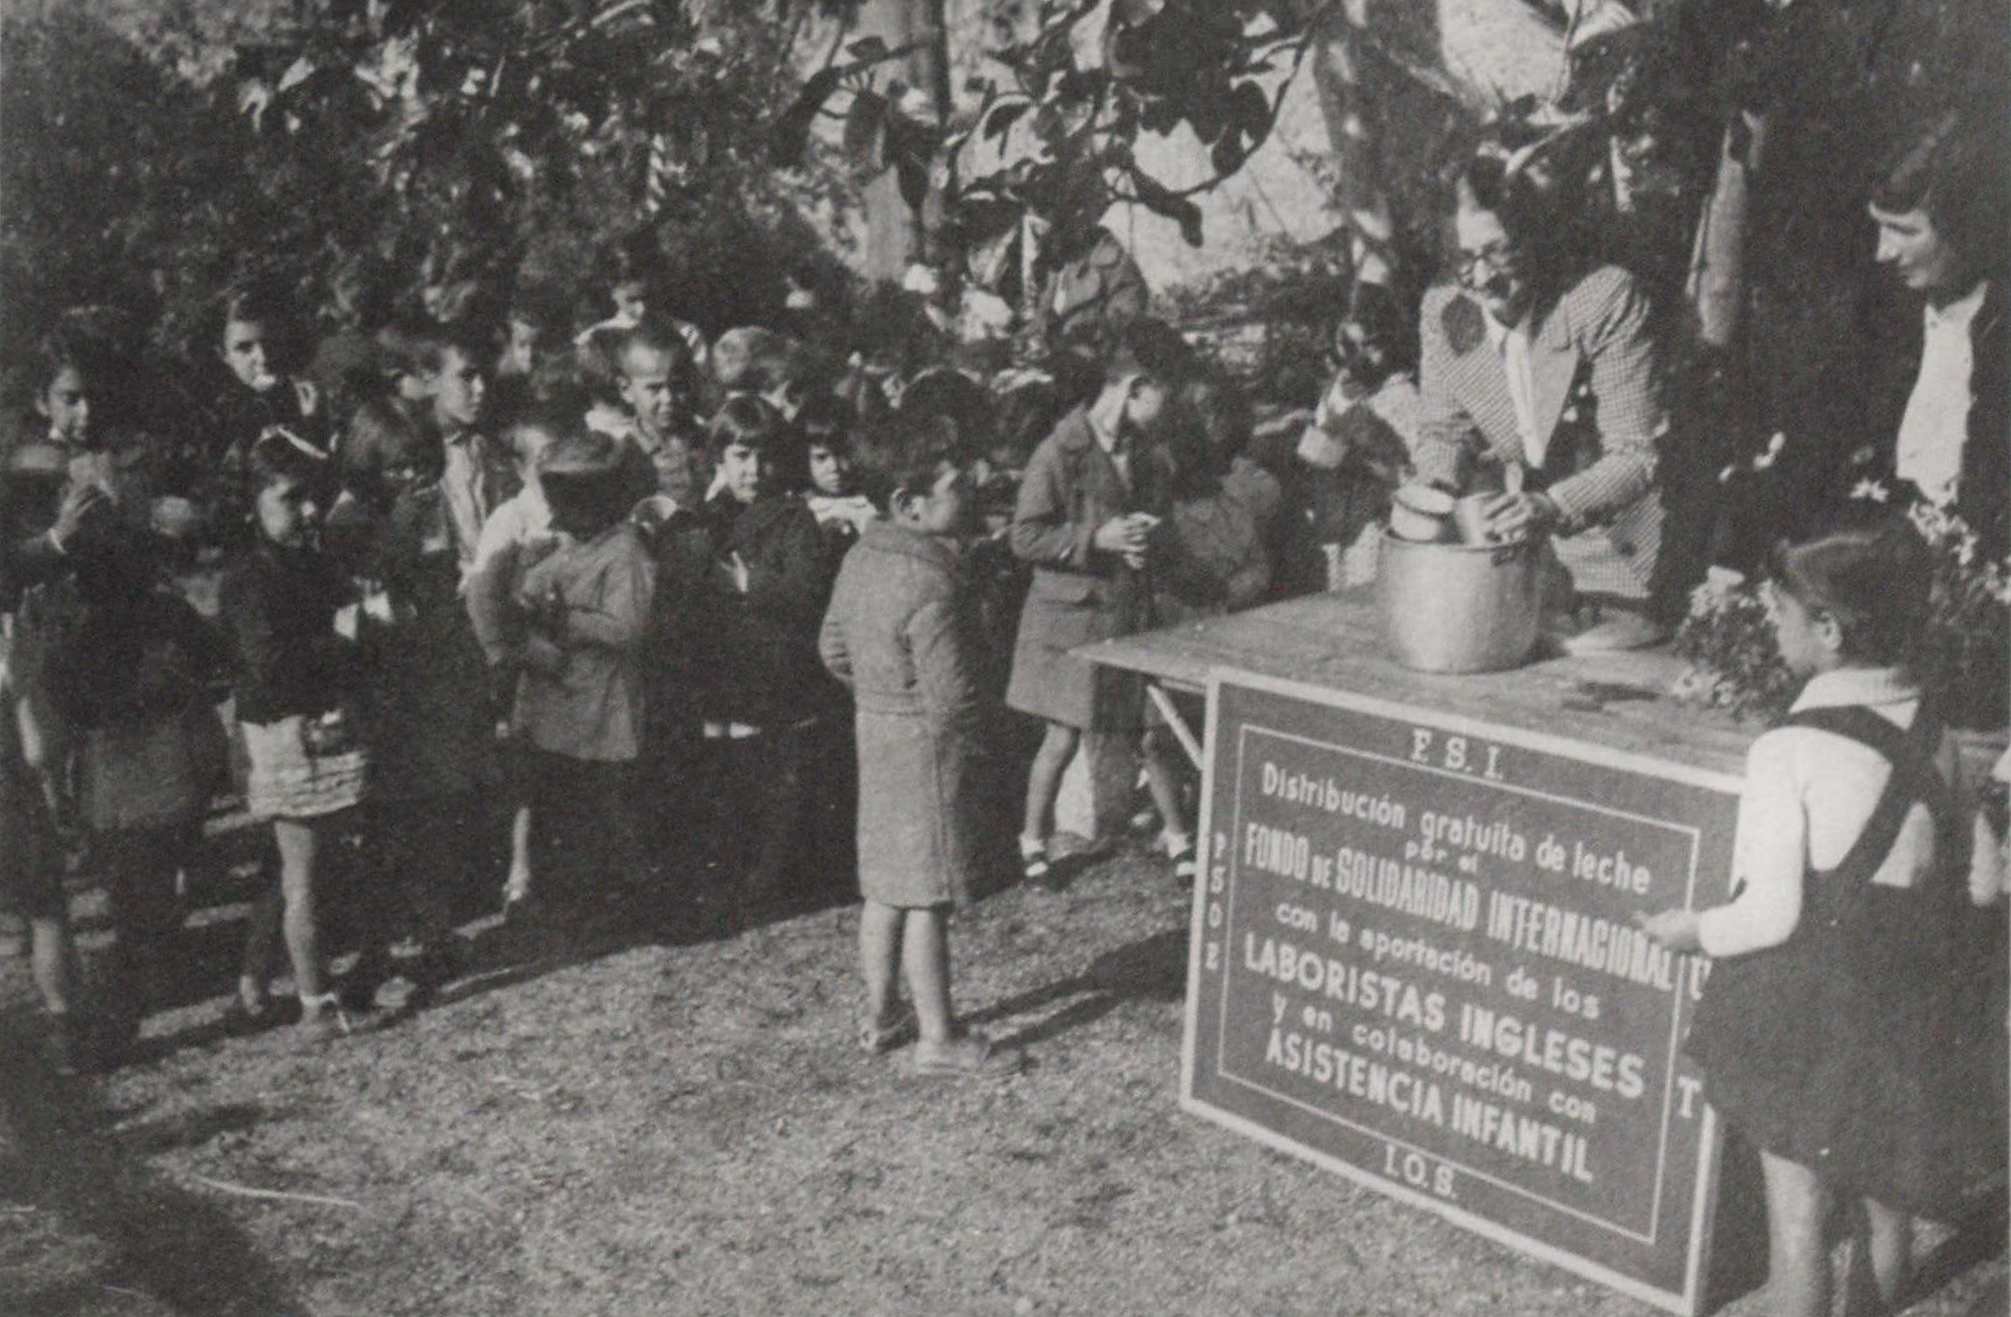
x=27, y=555
x=136, y=657
x=1846, y=432
x=1984, y=488
x=280, y=607
x=755, y=654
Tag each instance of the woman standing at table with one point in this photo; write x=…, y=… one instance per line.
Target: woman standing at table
x=1917, y=402
x=1530, y=368
x=1940, y=214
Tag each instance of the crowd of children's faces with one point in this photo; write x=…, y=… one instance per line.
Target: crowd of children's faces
x=289, y=482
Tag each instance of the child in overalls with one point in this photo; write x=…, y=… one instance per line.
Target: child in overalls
x=1843, y=1012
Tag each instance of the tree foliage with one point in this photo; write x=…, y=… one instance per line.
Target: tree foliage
x=537, y=132
x=452, y=139
x=1209, y=66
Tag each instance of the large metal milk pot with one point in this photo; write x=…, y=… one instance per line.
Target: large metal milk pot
x=1460, y=607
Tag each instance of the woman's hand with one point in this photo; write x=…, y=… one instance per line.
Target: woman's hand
x=1675, y=929
x=1519, y=514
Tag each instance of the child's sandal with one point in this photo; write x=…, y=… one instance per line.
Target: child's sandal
x=878, y=1037
x=323, y=1020
x=1035, y=869
x=972, y=1057
x=248, y=1013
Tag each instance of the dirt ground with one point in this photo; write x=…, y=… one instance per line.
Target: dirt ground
x=691, y=1129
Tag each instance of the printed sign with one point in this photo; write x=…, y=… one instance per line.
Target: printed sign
x=1414, y=963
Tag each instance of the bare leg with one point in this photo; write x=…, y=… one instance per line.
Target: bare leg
x=879, y=957
x=518, y=885
x=261, y=935
x=1891, y=1250
x=1797, y=1263
x=52, y=956
x=925, y=954
x=299, y=854
x=1043, y=780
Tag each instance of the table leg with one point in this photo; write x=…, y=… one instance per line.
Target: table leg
x=1164, y=703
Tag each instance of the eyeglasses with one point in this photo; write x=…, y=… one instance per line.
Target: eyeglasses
x=1501, y=257
x=1345, y=350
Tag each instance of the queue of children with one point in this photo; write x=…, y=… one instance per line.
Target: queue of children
x=477, y=597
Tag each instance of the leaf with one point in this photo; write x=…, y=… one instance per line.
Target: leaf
x=1000, y=121
x=1159, y=116
x=1227, y=155
x=789, y=136
x=865, y=132
x=1160, y=200
x=1250, y=110
x=867, y=48
x=296, y=73
x=253, y=95
x=913, y=178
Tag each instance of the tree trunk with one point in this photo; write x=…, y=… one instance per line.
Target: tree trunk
x=898, y=234
x=1717, y=281
x=1340, y=74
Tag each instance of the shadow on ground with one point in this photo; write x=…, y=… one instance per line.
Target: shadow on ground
x=151, y=1246
x=1152, y=969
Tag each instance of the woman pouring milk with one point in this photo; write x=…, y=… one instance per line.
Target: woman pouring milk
x=1544, y=386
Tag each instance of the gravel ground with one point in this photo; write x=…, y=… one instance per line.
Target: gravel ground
x=690, y=1129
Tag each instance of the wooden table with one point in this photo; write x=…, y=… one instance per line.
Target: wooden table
x=1620, y=701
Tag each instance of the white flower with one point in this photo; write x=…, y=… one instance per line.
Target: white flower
x=1871, y=489
x=1931, y=520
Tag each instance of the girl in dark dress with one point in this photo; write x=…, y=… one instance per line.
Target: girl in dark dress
x=1845, y=1017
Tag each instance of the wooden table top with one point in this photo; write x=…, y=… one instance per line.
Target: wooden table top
x=1620, y=701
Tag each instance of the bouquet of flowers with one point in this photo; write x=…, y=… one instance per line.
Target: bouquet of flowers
x=1964, y=651
x=1961, y=653
x=1729, y=645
